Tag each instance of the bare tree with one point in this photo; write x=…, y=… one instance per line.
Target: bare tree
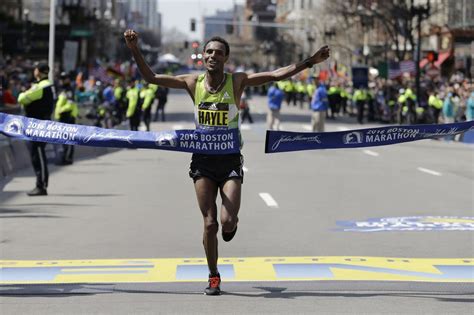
x=395, y=17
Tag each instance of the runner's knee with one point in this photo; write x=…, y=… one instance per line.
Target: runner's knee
x=211, y=226
x=228, y=223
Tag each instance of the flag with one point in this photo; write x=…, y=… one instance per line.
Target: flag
x=408, y=66
x=397, y=69
x=100, y=74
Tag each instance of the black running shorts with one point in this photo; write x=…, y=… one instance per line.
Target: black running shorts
x=219, y=168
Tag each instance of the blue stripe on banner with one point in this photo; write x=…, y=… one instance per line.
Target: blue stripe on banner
x=286, y=141
x=193, y=141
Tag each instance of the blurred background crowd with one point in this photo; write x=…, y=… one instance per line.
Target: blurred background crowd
x=401, y=62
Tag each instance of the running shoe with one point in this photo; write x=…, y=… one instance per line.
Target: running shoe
x=214, y=285
x=227, y=237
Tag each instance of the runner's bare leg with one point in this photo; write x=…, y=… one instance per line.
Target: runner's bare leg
x=206, y=193
x=230, y=194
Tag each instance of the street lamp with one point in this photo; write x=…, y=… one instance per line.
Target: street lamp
x=421, y=12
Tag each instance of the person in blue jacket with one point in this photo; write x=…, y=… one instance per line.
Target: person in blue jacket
x=319, y=106
x=275, y=98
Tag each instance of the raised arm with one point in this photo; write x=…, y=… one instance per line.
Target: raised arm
x=285, y=72
x=175, y=82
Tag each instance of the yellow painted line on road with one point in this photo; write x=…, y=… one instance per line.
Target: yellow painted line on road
x=248, y=269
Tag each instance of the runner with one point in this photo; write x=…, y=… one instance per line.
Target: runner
x=215, y=95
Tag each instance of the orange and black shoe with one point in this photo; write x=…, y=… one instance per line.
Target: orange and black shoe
x=214, y=285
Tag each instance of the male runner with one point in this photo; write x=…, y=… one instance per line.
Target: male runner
x=220, y=93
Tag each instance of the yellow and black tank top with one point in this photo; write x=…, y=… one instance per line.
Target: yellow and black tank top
x=215, y=111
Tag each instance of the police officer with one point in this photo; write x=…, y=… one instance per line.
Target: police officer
x=147, y=95
x=119, y=96
x=38, y=103
x=436, y=105
x=360, y=98
x=133, y=109
x=66, y=112
x=334, y=98
x=407, y=101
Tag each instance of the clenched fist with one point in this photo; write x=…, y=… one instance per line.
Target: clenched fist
x=131, y=38
x=322, y=54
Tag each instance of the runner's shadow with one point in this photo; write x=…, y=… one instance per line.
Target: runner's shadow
x=67, y=290
x=278, y=293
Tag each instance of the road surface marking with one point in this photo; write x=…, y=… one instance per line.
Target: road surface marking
x=237, y=269
x=268, y=200
x=371, y=153
x=308, y=127
x=177, y=127
x=245, y=127
x=421, y=169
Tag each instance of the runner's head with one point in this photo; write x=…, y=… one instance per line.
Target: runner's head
x=216, y=54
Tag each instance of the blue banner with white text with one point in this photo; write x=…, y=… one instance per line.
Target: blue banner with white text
x=193, y=141
x=286, y=141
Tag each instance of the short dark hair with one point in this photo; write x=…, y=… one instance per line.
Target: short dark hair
x=220, y=40
x=42, y=67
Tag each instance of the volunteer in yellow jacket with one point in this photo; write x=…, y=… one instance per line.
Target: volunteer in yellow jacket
x=66, y=111
x=148, y=96
x=215, y=95
x=37, y=103
x=133, y=108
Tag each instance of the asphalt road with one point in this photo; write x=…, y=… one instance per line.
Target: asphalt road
x=140, y=204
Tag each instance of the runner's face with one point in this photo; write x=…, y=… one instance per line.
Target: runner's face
x=214, y=56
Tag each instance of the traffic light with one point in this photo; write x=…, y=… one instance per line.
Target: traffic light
x=193, y=25
x=229, y=29
x=432, y=56
x=186, y=44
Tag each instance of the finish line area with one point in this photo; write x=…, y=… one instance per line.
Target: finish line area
x=303, y=272
x=347, y=231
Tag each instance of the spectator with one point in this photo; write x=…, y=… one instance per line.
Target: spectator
x=319, y=106
x=275, y=98
x=162, y=95
x=244, y=107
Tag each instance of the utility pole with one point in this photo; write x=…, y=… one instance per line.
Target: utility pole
x=52, y=26
x=421, y=12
